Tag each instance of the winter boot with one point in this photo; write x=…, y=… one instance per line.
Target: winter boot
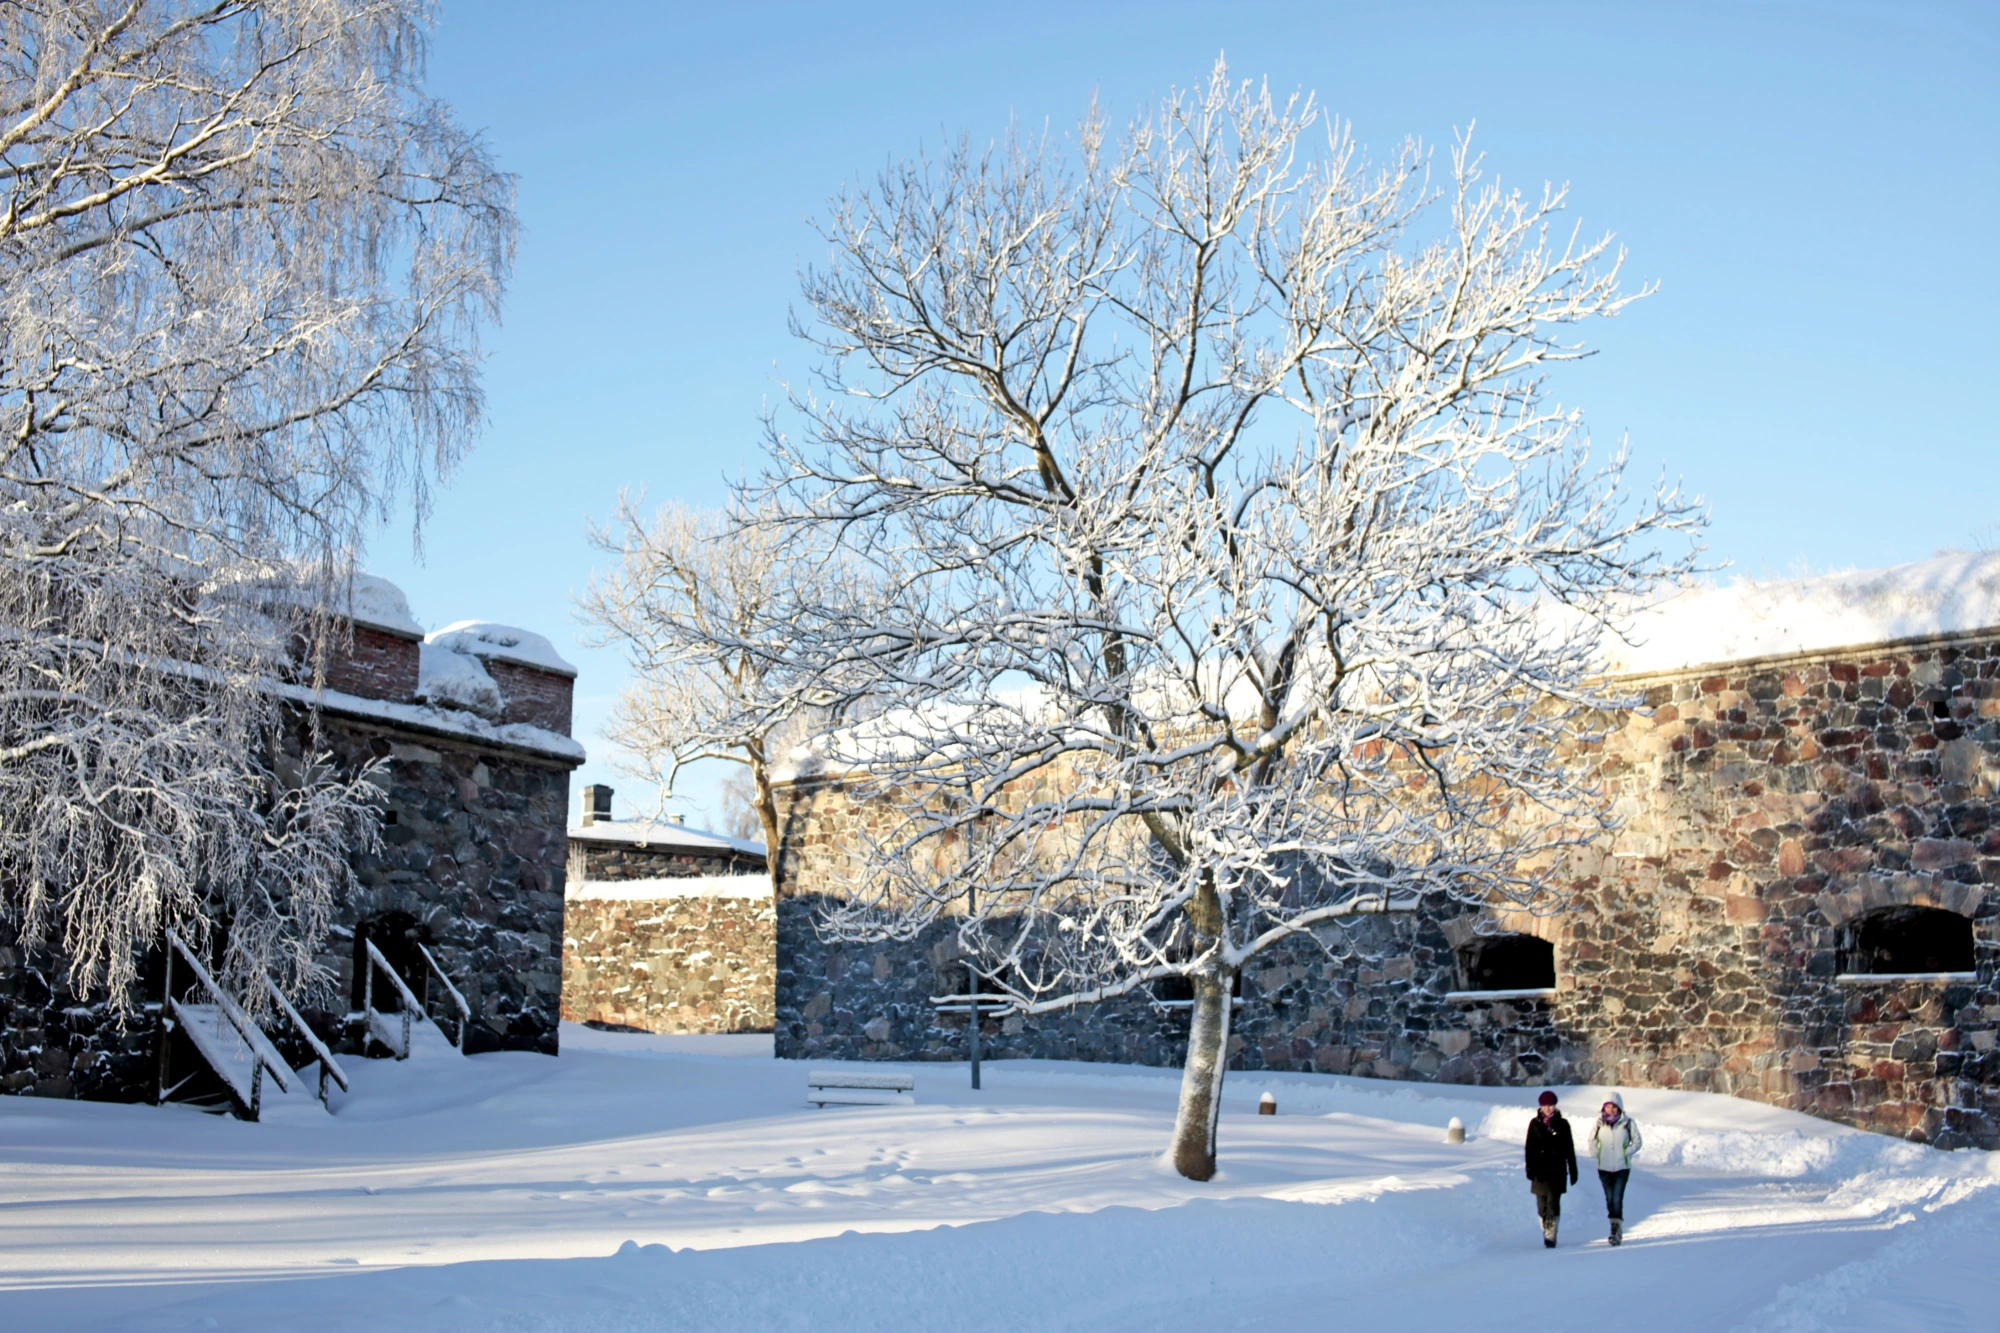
x=1617, y=1230
x=1549, y=1233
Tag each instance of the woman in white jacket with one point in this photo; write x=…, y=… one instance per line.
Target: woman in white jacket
x=1614, y=1142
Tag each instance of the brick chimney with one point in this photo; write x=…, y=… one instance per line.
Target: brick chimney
x=596, y=803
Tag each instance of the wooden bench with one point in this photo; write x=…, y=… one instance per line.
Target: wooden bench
x=851, y=1087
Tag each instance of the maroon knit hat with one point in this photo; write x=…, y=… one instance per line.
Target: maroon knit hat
x=1546, y=1099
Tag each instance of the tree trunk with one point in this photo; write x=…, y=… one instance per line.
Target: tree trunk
x=1201, y=1077
x=767, y=815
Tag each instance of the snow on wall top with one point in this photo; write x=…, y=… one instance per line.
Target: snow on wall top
x=444, y=721
x=505, y=643
x=662, y=836
x=684, y=886
x=380, y=604
x=1946, y=594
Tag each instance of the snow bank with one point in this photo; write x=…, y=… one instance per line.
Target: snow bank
x=629, y=1186
x=504, y=643
x=1947, y=594
x=683, y=886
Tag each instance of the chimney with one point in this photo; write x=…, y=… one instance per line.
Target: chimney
x=679, y=818
x=596, y=804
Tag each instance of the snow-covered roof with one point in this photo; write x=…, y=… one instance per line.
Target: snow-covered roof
x=650, y=833
x=684, y=886
x=1947, y=594
x=502, y=643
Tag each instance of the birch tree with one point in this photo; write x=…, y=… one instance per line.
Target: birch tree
x=243, y=264
x=1246, y=576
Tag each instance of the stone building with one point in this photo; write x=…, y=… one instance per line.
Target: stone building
x=1800, y=907
x=473, y=722
x=666, y=928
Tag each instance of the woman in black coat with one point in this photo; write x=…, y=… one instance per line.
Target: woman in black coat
x=1551, y=1164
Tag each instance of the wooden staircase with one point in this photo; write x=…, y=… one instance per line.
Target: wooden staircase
x=216, y=1057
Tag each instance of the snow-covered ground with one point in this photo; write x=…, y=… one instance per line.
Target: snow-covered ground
x=681, y=1183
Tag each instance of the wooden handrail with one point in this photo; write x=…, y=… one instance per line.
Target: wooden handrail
x=253, y=1037
x=464, y=1009
x=328, y=1066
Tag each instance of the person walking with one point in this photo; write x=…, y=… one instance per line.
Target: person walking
x=1614, y=1141
x=1551, y=1158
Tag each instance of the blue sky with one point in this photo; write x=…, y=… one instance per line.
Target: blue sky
x=1812, y=186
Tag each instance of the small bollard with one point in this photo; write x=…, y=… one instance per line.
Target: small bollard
x=1267, y=1105
x=1454, y=1132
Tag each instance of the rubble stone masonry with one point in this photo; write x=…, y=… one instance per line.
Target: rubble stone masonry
x=1768, y=808
x=671, y=964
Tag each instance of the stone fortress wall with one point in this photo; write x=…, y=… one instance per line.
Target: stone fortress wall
x=1781, y=813
x=666, y=928
x=471, y=864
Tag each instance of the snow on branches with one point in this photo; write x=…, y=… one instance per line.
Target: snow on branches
x=243, y=261
x=1215, y=474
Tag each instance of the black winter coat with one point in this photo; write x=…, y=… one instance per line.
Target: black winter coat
x=1551, y=1153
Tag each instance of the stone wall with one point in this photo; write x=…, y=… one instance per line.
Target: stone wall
x=473, y=849
x=599, y=862
x=686, y=963
x=1767, y=806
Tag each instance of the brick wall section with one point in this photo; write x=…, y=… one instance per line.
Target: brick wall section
x=692, y=964
x=376, y=665
x=1766, y=804
x=528, y=694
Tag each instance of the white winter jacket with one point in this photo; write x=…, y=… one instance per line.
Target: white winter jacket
x=1614, y=1146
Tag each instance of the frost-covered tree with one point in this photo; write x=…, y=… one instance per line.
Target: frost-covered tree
x=1245, y=576
x=243, y=261
x=703, y=606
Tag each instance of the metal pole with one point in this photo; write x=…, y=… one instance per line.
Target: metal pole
x=972, y=986
x=972, y=1037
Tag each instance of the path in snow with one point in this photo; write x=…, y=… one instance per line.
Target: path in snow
x=496, y=1198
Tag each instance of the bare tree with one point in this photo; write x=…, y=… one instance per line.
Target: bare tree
x=702, y=605
x=1245, y=577
x=243, y=263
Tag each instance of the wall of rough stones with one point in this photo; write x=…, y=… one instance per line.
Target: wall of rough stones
x=684, y=963
x=475, y=852
x=595, y=862
x=1768, y=806
x=473, y=848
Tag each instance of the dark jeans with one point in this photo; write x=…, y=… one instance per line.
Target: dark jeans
x=1614, y=1192
x=1548, y=1202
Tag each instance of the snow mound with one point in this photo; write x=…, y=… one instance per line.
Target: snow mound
x=504, y=643
x=380, y=604
x=1946, y=594
x=453, y=679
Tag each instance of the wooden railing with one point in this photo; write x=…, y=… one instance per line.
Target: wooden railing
x=458, y=1000
x=254, y=1044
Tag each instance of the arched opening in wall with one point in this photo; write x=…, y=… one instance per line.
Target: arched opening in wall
x=397, y=936
x=1900, y=941
x=1507, y=963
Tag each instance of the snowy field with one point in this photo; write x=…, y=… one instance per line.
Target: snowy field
x=662, y=1183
